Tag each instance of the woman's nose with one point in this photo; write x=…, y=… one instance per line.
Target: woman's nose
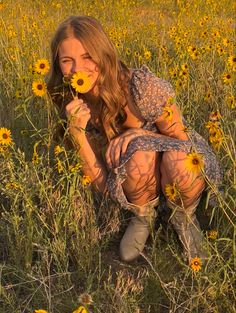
x=77, y=68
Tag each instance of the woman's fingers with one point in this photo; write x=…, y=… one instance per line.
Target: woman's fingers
x=116, y=148
x=75, y=106
x=78, y=114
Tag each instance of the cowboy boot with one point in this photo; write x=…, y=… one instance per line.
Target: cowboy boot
x=188, y=230
x=137, y=232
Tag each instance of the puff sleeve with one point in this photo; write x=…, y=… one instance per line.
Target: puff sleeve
x=150, y=93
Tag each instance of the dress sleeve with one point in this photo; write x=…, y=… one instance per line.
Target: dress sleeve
x=150, y=93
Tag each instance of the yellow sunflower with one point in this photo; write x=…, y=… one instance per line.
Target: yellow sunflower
x=5, y=136
x=12, y=185
x=215, y=116
x=179, y=84
x=3, y=150
x=168, y=113
x=59, y=166
x=58, y=150
x=127, y=51
x=216, y=138
x=194, y=162
x=147, y=54
x=227, y=78
x=39, y=88
x=212, y=126
x=171, y=192
x=226, y=42
x=81, y=309
x=231, y=102
x=40, y=311
x=232, y=60
x=212, y=234
x=86, y=180
x=74, y=168
x=18, y=94
x=35, y=158
x=183, y=74
x=42, y=66
x=208, y=96
x=80, y=82
x=196, y=264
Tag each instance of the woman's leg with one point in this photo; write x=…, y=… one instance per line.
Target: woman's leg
x=189, y=187
x=141, y=189
x=142, y=183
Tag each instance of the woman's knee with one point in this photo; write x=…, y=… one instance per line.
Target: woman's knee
x=175, y=172
x=142, y=182
x=142, y=165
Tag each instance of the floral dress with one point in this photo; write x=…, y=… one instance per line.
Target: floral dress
x=150, y=95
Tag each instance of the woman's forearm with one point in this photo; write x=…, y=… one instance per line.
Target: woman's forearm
x=92, y=164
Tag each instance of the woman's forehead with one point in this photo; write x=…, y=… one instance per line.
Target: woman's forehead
x=71, y=45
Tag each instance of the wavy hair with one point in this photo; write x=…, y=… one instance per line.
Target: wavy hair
x=113, y=74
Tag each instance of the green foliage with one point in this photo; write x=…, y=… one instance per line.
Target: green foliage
x=58, y=241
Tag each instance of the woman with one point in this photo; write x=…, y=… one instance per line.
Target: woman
x=148, y=147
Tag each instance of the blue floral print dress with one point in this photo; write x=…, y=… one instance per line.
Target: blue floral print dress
x=150, y=95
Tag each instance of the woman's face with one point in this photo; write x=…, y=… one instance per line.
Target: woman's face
x=73, y=58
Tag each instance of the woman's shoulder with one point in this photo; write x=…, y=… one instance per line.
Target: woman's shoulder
x=144, y=78
x=150, y=93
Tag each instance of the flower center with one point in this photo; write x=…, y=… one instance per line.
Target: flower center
x=40, y=87
x=42, y=65
x=228, y=76
x=4, y=136
x=196, y=263
x=195, y=161
x=80, y=82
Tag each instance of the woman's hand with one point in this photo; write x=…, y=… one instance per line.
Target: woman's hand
x=78, y=115
x=117, y=147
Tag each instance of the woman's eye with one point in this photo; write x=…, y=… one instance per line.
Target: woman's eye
x=66, y=61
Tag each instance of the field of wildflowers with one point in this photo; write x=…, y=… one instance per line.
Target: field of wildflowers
x=59, y=243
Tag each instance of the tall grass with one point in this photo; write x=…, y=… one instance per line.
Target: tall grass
x=58, y=240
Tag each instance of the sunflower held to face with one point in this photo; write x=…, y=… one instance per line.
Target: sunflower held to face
x=80, y=82
x=39, y=88
x=194, y=162
x=42, y=66
x=5, y=136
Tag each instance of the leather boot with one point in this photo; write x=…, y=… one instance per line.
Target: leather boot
x=188, y=229
x=135, y=236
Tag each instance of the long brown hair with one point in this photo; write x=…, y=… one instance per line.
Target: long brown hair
x=113, y=74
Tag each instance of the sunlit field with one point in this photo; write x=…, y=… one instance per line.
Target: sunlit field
x=58, y=240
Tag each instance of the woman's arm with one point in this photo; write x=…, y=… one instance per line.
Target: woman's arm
x=92, y=163
x=78, y=115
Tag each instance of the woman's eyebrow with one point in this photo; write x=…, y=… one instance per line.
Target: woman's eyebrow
x=65, y=56
x=69, y=57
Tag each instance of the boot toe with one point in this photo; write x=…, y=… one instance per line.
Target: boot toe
x=129, y=253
